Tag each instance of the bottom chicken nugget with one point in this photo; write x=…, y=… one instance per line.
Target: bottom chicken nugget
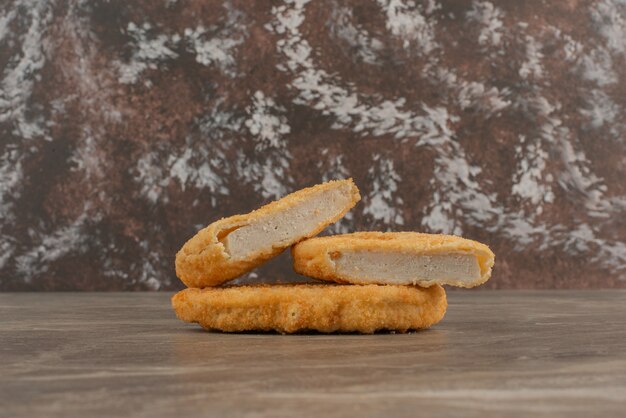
x=312, y=307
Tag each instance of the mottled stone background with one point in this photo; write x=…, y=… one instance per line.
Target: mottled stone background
x=126, y=126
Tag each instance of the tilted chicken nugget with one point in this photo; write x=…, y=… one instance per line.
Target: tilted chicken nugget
x=235, y=245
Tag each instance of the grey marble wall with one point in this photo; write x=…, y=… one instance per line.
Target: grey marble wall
x=126, y=126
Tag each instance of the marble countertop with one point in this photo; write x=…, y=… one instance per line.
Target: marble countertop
x=127, y=126
x=497, y=353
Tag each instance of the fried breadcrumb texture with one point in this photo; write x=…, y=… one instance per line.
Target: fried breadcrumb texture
x=397, y=258
x=304, y=307
x=232, y=246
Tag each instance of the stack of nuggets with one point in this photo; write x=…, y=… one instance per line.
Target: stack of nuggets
x=380, y=281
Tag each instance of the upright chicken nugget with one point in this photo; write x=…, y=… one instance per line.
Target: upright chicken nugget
x=304, y=307
x=398, y=258
x=233, y=246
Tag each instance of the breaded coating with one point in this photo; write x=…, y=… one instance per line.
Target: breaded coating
x=398, y=258
x=317, y=307
x=235, y=245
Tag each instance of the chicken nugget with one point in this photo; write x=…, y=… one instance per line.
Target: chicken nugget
x=312, y=307
x=235, y=245
x=398, y=258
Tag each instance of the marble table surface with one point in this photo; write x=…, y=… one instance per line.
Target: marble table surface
x=497, y=353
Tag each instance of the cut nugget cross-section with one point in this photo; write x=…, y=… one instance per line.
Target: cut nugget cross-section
x=399, y=258
x=233, y=246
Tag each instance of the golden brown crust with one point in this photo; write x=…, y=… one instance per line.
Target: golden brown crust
x=313, y=257
x=302, y=307
x=203, y=261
